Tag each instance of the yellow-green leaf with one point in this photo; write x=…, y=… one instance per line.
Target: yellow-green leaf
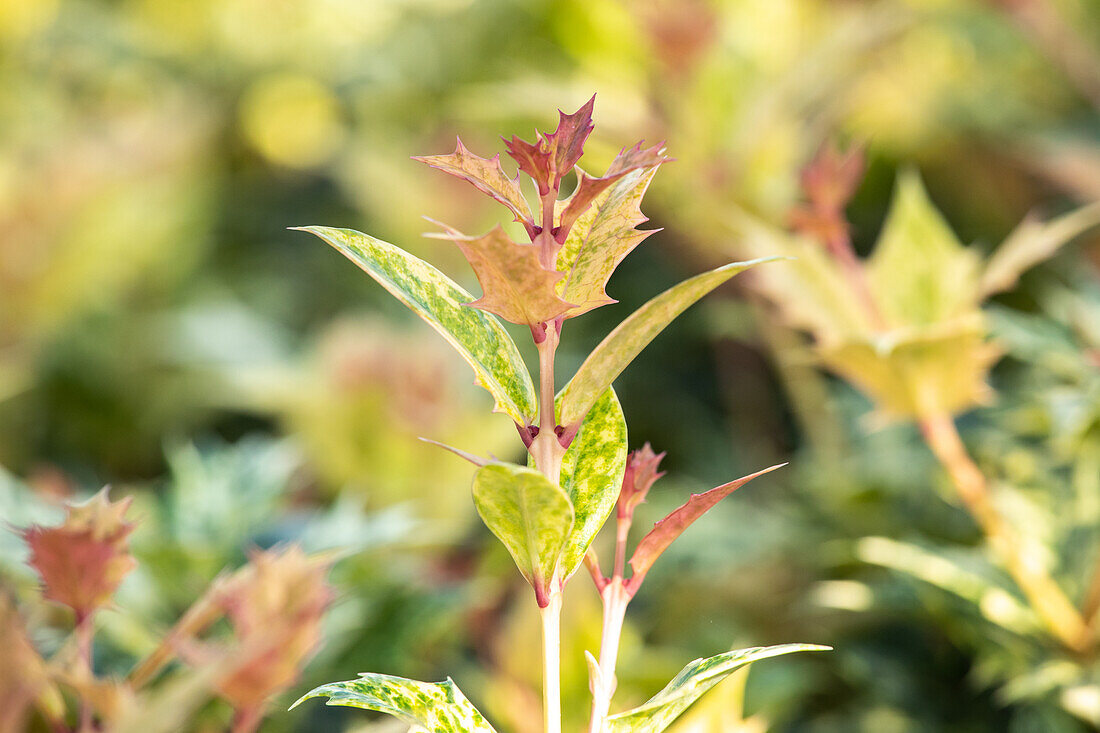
x=608, y=360
x=919, y=273
x=530, y=515
x=435, y=707
x=477, y=336
x=689, y=685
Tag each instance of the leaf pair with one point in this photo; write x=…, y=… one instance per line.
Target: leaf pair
x=548, y=528
x=440, y=707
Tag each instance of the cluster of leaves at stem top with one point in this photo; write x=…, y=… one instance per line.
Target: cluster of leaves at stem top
x=547, y=519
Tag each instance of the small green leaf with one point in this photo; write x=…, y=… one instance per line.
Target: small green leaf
x=433, y=296
x=436, y=707
x=688, y=686
x=615, y=352
x=591, y=474
x=530, y=515
x=919, y=273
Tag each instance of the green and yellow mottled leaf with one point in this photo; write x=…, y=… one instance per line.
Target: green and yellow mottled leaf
x=927, y=372
x=477, y=336
x=435, y=707
x=919, y=273
x=486, y=175
x=690, y=684
x=608, y=360
x=1032, y=242
x=600, y=238
x=591, y=474
x=514, y=283
x=530, y=515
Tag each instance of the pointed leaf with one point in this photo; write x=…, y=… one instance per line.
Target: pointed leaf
x=690, y=684
x=554, y=155
x=515, y=285
x=436, y=707
x=1032, y=242
x=532, y=159
x=591, y=474
x=615, y=352
x=672, y=526
x=486, y=175
x=600, y=239
x=589, y=188
x=477, y=336
x=530, y=515
x=919, y=273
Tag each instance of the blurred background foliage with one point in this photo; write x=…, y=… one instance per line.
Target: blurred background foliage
x=161, y=330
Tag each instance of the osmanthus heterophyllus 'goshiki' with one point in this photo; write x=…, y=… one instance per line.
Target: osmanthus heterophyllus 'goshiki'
x=548, y=512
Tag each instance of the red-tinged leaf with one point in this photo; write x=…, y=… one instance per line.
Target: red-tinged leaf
x=672, y=526
x=589, y=188
x=487, y=176
x=554, y=155
x=641, y=474
x=83, y=560
x=514, y=283
x=829, y=182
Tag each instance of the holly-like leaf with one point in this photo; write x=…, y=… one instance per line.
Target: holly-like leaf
x=589, y=188
x=920, y=274
x=591, y=474
x=514, y=283
x=554, y=155
x=668, y=529
x=83, y=560
x=487, y=176
x=530, y=515
x=608, y=360
x=640, y=475
x=1032, y=242
x=435, y=707
x=599, y=240
x=696, y=678
x=477, y=336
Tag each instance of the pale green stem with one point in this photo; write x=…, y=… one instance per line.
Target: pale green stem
x=551, y=662
x=615, y=600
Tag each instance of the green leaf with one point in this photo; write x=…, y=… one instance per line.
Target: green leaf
x=919, y=273
x=615, y=352
x=592, y=474
x=600, y=238
x=1032, y=242
x=477, y=336
x=436, y=707
x=688, y=686
x=530, y=515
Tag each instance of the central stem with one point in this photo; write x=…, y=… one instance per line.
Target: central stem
x=551, y=663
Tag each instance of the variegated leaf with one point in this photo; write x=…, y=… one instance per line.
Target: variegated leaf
x=486, y=175
x=608, y=360
x=530, y=515
x=477, y=336
x=589, y=188
x=591, y=474
x=690, y=684
x=435, y=707
x=599, y=240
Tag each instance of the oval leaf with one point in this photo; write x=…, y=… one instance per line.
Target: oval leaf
x=530, y=515
x=688, y=686
x=615, y=352
x=433, y=296
x=437, y=707
x=591, y=474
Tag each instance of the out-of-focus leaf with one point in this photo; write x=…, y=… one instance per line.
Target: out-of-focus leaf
x=530, y=515
x=668, y=529
x=608, y=360
x=941, y=370
x=600, y=238
x=436, y=707
x=486, y=175
x=1032, y=242
x=919, y=273
x=514, y=283
x=477, y=336
x=689, y=685
x=591, y=473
